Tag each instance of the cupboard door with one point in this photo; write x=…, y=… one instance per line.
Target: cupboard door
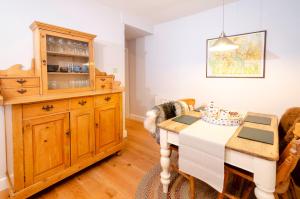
x=107, y=121
x=66, y=62
x=82, y=134
x=46, y=147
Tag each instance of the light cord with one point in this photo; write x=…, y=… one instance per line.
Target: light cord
x=223, y=18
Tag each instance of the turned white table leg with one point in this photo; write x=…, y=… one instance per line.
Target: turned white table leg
x=164, y=160
x=264, y=178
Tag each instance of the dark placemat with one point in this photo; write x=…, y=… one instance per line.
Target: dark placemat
x=258, y=119
x=257, y=135
x=186, y=119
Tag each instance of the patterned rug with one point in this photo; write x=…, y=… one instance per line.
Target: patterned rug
x=151, y=188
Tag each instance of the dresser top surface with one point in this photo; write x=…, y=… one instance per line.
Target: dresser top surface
x=56, y=96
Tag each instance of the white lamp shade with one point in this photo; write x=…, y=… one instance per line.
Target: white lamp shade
x=223, y=44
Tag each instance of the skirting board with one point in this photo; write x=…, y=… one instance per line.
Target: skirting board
x=3, y=184
x=136, y=117
x=125, y=133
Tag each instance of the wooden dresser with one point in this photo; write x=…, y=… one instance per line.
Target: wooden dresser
x=58, y=121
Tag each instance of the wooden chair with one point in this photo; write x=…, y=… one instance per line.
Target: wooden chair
x=191, y=103
x=286, y=164
x=190, y=178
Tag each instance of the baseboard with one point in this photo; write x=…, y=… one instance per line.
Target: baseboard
x=3, y=184
x=136, y=117
x=125, y=133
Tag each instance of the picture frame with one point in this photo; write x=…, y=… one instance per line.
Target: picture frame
x=248, y=61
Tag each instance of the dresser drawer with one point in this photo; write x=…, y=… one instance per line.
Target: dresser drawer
x=106, y=99
x=44, y=108
x=104, y=79
x=20, y=82
x=81, y=102
x=104, y=86
x=104, y=82
x=19, y=92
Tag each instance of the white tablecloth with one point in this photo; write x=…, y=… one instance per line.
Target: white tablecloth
x=202, y=151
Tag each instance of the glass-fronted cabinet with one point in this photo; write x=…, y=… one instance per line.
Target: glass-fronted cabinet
x=67, y=63
x=66, y=59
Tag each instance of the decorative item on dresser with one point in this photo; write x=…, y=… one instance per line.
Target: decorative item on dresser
x=58, y=123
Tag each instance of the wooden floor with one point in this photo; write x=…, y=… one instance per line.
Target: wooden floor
x=114, y=177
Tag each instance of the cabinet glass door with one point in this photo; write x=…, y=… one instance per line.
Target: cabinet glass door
x=67, y=63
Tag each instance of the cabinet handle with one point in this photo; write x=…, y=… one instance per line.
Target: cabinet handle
x=102, y=79
x=68, y=133
x=102, y=86
x=21, y=81
x=44, y=62
x=82, y=102
x=21, y=91
x=107, y=99
x=47, y=107
x=97, y=125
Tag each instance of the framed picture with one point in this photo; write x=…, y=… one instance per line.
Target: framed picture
x=248, y=61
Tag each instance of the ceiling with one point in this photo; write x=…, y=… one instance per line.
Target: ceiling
x=133, y=33
x=158, y=11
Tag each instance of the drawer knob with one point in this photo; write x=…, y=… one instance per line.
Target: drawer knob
x=102, y=86
x=82, y=102
x=102, y=79
x=21, y=81
x=22, y=91
x=47, y=107
x=44, y=62
x=107, y=99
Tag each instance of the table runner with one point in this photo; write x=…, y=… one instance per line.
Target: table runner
x=202, y=151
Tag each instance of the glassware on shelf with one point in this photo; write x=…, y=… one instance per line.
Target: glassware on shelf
x=85, y=49
x=61, y=45
x=51, y=44
x=66, y=84
x=67, y=46
x=52, y=84
x=84, y=68
x=70, y=68
x=74, y=44
x=76, y=68
x=70, y=48
x=71, y=57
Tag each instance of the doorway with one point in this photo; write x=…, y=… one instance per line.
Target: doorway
x=131, y=35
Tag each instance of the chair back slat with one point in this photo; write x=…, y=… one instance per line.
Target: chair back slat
x=287, y=164
x=297, y=130
x=189, y=101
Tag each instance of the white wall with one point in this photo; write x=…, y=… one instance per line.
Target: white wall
x=172, y=62
x=140, y=94
x=84, y=15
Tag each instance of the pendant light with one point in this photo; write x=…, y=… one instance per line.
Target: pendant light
x=223, y=43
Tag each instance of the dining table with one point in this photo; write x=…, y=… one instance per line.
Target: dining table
x=255, y=157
